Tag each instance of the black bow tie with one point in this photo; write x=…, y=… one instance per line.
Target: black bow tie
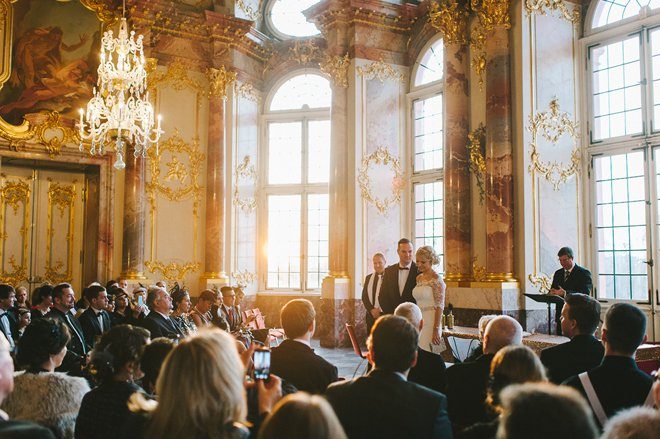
x=404, y=268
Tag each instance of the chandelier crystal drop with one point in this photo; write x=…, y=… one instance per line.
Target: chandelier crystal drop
x=120, y=110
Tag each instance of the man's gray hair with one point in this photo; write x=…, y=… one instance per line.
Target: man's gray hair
x=152, y=295
x=483, y=321
x=638, y=422
x=410, y=312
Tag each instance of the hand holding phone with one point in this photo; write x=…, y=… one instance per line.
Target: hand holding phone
x=261, y=362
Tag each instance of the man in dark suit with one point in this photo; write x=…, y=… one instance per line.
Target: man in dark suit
x=158, y=321
x=467, y=382
x=95, y=320
x=399, y=279
x=76, y=355
x=617, y=383
x=294, y=360
x=228, y=310
x=7, y=321
x=371, y=289
x=579, y=320
x=570, y=278
x=430, y=370
x=383, y=403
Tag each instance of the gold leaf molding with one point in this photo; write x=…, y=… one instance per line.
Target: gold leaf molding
x=173, y=271
x=451, y=19
x=477, y=162
x=251, y=13
x=381, y=156
x=175, y=76
x=542, y=282
x=304, y=51
x=244, y=277
x=540, y=7
x=62, y=197
x=491, y=15
x=381, y=71
x=337, y=68
x=12, y=194
x=220, y=80
x=245, y=171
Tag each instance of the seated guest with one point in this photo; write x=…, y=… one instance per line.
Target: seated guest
x=478, y=350
x=139, y=302
x=115, y=366
x=430, y=370
x=76, y=355
x=637, y=423
x=8, y=324
x=227, y=308
x=9, y=428
x=180, y=312
x=302, y=416
x=544, y=411
x=579, y=319
x=152, y=361
x=201, y=312
x=515, y=364
x=617, y=383
x=383, y=404
x=217, y=318
x=21, y=302
x=110, y=305
x=122, y=311
x=95, y=320
x=24, y=319
x=158, y=321
x=42, y=298
x=467, y=382
x=294, y=360
x=42, y=395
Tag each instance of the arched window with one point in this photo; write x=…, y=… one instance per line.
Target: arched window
x=427, y=140
x=295, y=183
x=286, y=19
x=623, y=102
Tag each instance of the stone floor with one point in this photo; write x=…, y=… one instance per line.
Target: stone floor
x=344, y=358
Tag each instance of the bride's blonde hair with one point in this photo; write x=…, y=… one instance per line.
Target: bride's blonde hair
x=427, y=253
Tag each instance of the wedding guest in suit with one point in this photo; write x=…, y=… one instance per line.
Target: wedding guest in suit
x=467, y=382
x=294, y=360
x=227, y=308
x=95, y=320
x=478, y=350
x=383, y=403
x=371, y=290
x=570, y=278
x=399, y=279
x=42, y=298
x=158, y=321
x=617, y=383
x=10, y=428
x=7, y=320
x=22, y=301
x=201, y=312
x=115, y=363
x=430, y=370
x=579, y=320
x=76, y=355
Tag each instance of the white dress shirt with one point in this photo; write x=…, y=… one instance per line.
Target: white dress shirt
x=403, y=277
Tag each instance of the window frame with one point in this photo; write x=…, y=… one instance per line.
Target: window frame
x=275, y=31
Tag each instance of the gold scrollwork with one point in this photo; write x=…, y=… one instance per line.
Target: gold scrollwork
x=542, y=282
x=337, y=68
x=245, y=171
x=173, y=271
x=477, y=162
x=244, y=277
x=105, y=10
x=247, y=91
x=381, y=156
x=491, y=14
x=251, y=13
x=62, y=197
x=552, y=125
x=451, y=19
x=55, y=142
x=219, y=81
x=304, y=51
x=381, y=71
x=479, y=272
x=540, y=6
x=176, y=76
x=13, y=194
x=6, y=22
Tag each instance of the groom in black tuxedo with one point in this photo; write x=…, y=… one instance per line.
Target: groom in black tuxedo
x=399, y=279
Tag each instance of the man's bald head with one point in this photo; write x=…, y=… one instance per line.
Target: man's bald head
x=410, y=312
x=6, y=370
x=500, y=332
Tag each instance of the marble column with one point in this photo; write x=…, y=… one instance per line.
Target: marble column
x=457, y=178
x=214, y=246
x=499, y=158
x=135, y=203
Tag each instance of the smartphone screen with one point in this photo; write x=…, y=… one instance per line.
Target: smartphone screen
x=140, y=300
x=261, y=360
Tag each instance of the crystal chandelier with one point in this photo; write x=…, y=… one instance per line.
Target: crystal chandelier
x=120, y=110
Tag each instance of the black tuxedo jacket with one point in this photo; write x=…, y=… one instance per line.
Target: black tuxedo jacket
x=579, y=281
x=159, y=326
x=367, y=300
x=297, y=363
x=90, y=325
x=582, y=353
x=430, y=371
x=467, y=384
x=384, y=405
x=390, y=297
x=76, y=348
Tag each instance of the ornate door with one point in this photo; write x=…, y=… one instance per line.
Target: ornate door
x=41, y=225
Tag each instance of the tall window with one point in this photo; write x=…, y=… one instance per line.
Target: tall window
x=428, y=148
x=296, y=184
x=624, y=113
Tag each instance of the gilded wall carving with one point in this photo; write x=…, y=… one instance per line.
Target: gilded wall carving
x=384, y=159
x=477, y=163
x=304, y=52
x=61, y=197
x=336, y=67
x=219, y=81
x=559, y=6
x=451, y=19
x=14, y=194
x=381, y=71
x=245, y=172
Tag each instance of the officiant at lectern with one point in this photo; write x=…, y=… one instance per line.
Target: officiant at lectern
x=570, y=278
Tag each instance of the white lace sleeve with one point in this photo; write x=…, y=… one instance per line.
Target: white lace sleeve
x=438, y=287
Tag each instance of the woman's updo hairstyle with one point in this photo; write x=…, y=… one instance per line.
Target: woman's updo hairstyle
x=178, y=293
x=117, y=347
x=426, y=252
x=41, y=339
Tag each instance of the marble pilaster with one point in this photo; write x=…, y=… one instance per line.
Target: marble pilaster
x=135, y=203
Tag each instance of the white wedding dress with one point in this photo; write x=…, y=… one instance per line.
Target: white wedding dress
x=429, y=296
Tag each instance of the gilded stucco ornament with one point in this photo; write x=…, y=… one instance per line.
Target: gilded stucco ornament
x=479, y=272
x=477, y=163
x=541, y=6
x=380, y=157
x=542, y=282
x=247, y=91
x=15, y=193
x=552, y=125
x=63, y=198
x=381, y=71
x=491, y=15
x=304, y=52
x=45, y=134
x=251, y=13
x=173, y=271
x=220, y=80
x=244, y=277
x=336, y=67
x=245, y=171
x=175, y=76
x=450, y=17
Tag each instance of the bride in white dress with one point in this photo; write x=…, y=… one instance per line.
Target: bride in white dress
x=430, y=296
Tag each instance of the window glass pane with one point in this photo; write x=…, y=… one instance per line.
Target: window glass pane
x=611, y=11
x=431, y=65
x=428, y=134
x=319, y=151
x=317, y=239
x=616, y=89
x=284, y=152
x=308, y=90
x=655, y=67
x=284, y=241
x=429, y=221
x=621, y=234
x=287, y=17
